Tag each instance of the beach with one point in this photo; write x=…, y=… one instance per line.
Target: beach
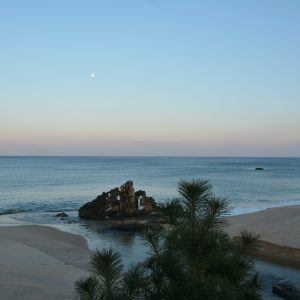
x=279, y=233
x=41, y=262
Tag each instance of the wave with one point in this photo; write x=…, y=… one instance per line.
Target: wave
x=12, y=211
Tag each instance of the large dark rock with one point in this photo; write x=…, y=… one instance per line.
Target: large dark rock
x=118, y=203
x=286, y=290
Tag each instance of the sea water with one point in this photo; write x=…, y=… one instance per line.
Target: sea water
x=34, y=189
x=50, y=184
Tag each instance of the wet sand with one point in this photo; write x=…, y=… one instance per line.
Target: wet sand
x=279, y=230
x=39, y=262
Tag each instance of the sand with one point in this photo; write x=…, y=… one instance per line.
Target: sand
x=279, y=230
x=39, y=262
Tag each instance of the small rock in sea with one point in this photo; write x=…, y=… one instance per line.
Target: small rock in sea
x=259, y=169
x=62, y=215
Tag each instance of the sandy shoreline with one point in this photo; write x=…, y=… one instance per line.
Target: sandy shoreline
x=279, y=230
x=41, y=262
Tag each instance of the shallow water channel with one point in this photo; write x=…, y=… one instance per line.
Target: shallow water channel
x=132, y=249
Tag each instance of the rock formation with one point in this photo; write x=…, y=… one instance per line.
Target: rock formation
x=118, y=203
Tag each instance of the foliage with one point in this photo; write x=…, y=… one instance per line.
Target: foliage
x=195, y=259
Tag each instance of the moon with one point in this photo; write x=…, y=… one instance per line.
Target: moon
x=92, y=75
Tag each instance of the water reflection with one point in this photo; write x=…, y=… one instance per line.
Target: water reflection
x=98, y=236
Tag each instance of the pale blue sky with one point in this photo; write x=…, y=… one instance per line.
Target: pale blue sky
x=172, y=77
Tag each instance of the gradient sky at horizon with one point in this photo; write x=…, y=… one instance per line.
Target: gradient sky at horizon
x=171, y=77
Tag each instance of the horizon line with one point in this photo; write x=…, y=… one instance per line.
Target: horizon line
x=152, y=156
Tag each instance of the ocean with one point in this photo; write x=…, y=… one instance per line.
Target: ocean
x=49, y=184
x=34, y=189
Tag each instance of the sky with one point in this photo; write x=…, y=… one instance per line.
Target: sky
x=150, y=77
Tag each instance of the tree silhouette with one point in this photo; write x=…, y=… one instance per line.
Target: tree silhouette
x=194, y=259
